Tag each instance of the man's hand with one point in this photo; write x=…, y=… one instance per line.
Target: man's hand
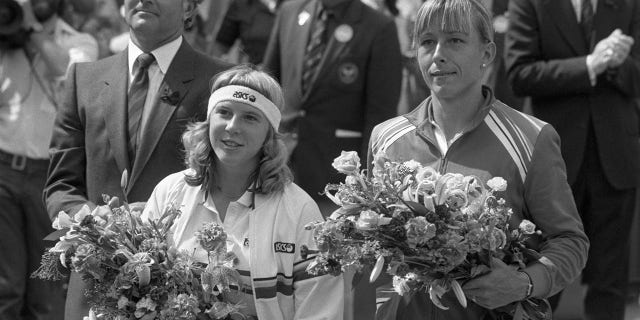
x=599, y=59
x=619, y=48
x=503, y=285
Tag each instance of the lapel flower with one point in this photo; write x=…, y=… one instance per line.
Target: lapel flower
x=169, y=96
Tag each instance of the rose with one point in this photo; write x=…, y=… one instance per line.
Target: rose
x=497, y=184
x=527, y=227
x=347, y=163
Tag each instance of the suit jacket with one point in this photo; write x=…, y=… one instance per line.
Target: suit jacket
x=89, y=148
x=546, y=59
x=357, y=85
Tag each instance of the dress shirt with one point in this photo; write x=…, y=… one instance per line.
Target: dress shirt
x=157, y=70
x=577, y=7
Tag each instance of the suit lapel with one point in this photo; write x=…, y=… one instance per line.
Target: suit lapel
x=563, y=15
x=334, y=47
x=114, y=99
x=176, y=82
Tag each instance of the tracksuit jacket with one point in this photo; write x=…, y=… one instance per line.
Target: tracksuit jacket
x=525, y=151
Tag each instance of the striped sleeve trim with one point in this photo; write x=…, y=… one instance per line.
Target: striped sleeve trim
x=265, y=288
x=512, y=139
x=390, y=132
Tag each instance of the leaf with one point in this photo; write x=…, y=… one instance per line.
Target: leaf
x=455, y=285
x=55, y=236
x=416, y=208
x=435, y=293
x=377, y=269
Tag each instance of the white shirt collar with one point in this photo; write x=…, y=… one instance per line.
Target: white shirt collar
x=164, y=54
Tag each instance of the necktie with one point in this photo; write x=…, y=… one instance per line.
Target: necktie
x=137, y=97
x=586, y=22
x=315, y=49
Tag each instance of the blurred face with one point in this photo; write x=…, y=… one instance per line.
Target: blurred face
x=237, y=133
x=44, y=9
x=451, y=61
x=156, y=22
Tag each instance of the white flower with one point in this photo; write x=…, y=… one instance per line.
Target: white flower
x=348, y=162
x=62, y=221
x=412, y=165
x=497, y=184
x=527, y=227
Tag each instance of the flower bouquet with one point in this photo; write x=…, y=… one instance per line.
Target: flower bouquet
x=132, y=272
x=430, y=231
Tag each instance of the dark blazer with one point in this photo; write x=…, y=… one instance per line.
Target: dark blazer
x=357, y=86
x=546, y=59
x=89, y=147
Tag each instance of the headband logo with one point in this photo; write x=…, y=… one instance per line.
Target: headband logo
x=245, y=96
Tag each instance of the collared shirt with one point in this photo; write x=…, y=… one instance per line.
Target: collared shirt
x=27, y=110
x=577, y=7
x=443, y=143
x=198, y=211
x=157, y=70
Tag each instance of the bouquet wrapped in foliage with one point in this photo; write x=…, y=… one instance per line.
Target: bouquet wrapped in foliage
x=133, y=273
x=429, y=230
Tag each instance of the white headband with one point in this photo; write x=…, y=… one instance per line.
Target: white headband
x=247, y=96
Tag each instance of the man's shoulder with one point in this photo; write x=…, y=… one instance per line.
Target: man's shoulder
x=374, y=16
x=100, y=66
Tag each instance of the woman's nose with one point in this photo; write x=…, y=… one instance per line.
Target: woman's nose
x=232, y=124
x=439, y=53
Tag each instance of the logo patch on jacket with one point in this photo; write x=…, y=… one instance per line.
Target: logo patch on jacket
x=284, y=247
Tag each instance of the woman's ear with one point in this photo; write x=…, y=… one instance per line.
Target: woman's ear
x=489, y=53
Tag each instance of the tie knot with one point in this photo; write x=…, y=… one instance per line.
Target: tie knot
x=145, y=60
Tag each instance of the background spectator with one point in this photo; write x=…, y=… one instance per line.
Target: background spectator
x=34, y=55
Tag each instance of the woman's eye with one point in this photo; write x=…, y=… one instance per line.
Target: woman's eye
x=428, y=42
x=251, y=117
x=457, y=40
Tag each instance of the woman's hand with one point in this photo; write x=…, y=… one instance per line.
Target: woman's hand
x=503, y=285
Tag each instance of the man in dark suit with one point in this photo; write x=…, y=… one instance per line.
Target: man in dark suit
x=356, y=83
x=578, y=62
x=93, y=139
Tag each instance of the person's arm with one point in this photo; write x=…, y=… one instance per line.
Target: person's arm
x=315, y=297
x=65, y=189
x=549, y=204
x=551, y=207
x=384, y=81
x=626, y=76
x=529, y=71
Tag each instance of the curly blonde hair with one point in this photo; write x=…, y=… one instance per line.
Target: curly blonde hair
x=272, y=173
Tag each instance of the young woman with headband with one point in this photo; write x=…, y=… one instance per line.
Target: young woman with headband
x=238, y=178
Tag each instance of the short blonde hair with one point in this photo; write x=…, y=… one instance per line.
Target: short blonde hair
x=272, y=173
x=454, y=16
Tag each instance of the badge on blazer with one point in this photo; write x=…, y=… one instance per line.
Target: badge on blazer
x=348, y=72
x=303, y=17
x=501, y=24
x=343, y=33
